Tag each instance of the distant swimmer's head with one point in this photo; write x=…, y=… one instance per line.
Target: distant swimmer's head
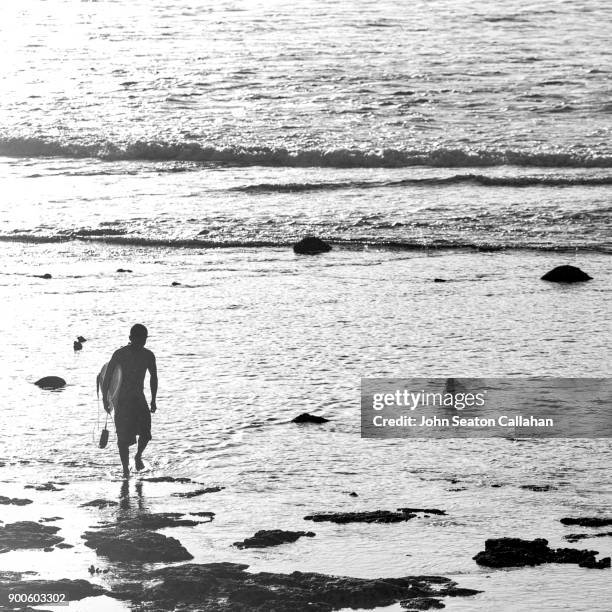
x=138, y=335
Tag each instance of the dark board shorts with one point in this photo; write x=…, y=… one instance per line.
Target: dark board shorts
x=132, y=418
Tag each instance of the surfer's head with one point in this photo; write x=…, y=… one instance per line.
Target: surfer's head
x=138, y=335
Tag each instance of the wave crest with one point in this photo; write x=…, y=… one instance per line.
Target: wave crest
x=281, y=157
x=478, y=179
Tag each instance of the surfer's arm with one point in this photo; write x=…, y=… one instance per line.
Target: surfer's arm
x=153, y=382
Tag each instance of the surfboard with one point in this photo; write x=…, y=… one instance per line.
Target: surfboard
x=115, y=384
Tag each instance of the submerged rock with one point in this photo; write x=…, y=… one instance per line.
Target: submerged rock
x=273, y=537
x=538, y=488
x=198, y=492
x=99, y=503
x=77, y=346
x=305, y=417
x=28, y=534
x=514, y=552
x=423, y=510
x=440, y=280
x=50, y=382
x=123, y=270
x=574, y=537
x=311, y=245
x=373, y=516
x=210, y=515
x=422, y=603
x=160, y=520
x=169, y=479
x=594, y=521
x=227, y=587
x=566, y=274
x=81, y=339
x=47, y=486
x=135, y=545
x=14, y=501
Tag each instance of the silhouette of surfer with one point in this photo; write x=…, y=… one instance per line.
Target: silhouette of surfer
x=132, y=416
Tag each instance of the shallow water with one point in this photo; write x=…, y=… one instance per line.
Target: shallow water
x=255, y=336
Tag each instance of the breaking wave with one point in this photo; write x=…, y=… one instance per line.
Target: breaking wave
x=477, y=179
x=281, y=157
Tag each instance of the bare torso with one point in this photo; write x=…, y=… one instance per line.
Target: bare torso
x=134, y=363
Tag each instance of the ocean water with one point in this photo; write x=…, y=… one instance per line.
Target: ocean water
x=193, y=142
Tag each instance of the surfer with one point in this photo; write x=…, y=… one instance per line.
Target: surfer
x=132, y=416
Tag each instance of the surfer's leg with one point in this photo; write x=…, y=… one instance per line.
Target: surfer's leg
x=142, y=444
x=124, y=454
x=144, y=433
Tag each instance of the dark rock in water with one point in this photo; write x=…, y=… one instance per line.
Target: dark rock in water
x=49, y=519
x=273, y=537
x=123, y=270
x=198, y=492
x=175, y=284
x=539, y=488
x=46, y=276
x=592, y=563
x=73, y=589
x=514, y=552
x=423, y=510
x=50, y=382
x=81, y=339
x=169, y=479
x=594, y=521
x=77, y=346
x=374, y=516
x=574, y=537
x=135, y=545
x=566, y=274
x=28, y=534
x=353, y=494
x=305, y=417
x=422, y=603
x=14, y=501
x=311, y=245
x=440, y=280
x=99, y=503
x=64, y=545
x=47, y=486
x=227, y=587
x=511, y=552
